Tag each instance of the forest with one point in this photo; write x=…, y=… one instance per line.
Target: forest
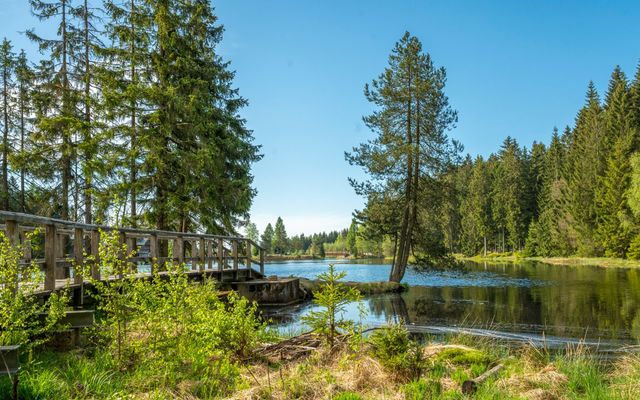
x=129, y=117
x=578, y=195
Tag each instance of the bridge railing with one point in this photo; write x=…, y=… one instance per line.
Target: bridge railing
x=61, y=245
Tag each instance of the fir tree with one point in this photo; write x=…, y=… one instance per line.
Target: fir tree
x=25, y=80
x=266, y=240
x=58, y=120
x=476, y=210
x=7, y=61
x=509, y=195
x=585, y=163
x=126, y=79
x=280, y=240
x=351, y=239
x=614, y=219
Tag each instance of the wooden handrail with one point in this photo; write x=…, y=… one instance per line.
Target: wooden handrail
x=65, y=244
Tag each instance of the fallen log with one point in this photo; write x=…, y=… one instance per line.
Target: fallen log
x=291, y=349
x=470, y=386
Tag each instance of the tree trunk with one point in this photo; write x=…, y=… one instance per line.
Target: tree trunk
x=23, y=205
x=88, y=170
x=402, y=250
x=66, y=111
x=133, y=139
x=5, y=141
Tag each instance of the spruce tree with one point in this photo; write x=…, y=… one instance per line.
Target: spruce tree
x=509, y=195
x=126, y=78
x=280, y=240
x=200, y=152
x=7, y=65
x=58, y=120
x=25, y=80
x=614, y=219
x=351, y=239
x=552, y=235
x=266, y=240
x=476, y=210
x=585, y=164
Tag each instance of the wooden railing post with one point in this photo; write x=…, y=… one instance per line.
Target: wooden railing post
x=60, y=242
x=50, y=238
x=202, y=249
x=194, y=254
x=178, y=249
x=154, y=253
x=220, y=256
x=78, y=265
x=248, y=262
x=11, y=228
x=95, y=253
x=234, y=249
x=78, y=255
x=132, y=251
x=26, y=247
x=209, y=254
x=262, y=261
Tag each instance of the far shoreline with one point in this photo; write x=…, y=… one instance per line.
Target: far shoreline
x=568, y=261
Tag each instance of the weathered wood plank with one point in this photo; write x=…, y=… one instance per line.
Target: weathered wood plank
x=95, y=254
x=78, y=255
x=50, y=238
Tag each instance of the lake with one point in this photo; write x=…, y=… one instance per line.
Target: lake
x=524, y=301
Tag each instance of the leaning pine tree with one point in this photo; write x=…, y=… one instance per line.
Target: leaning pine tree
x=410, y=149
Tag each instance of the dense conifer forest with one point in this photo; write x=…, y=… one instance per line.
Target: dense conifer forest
x=577, y=195
x=129, y=116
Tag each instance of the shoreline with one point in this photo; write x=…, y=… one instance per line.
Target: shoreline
x=569, y=261
x=365, y=288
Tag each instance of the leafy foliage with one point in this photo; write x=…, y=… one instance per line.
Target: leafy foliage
x=20, y=310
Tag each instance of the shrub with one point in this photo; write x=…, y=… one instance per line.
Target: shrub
x=397, y=352
x=333, y=296
x=20, y=309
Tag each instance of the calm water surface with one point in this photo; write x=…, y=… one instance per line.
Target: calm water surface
x=526, y=301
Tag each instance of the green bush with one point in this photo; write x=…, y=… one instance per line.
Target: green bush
x=168, y=330
x=397, y=352
x=19, y=307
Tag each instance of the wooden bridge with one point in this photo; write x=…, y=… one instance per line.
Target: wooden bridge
x=63, y=246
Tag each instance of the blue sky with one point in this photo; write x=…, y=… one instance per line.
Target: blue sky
x=514, y=68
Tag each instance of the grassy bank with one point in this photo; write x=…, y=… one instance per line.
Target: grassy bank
x=289, y=257
x=574, y=260
x=348, y=371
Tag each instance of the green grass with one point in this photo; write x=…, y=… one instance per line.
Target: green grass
x=572, y=260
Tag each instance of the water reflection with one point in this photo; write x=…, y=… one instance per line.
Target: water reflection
x=533, y=298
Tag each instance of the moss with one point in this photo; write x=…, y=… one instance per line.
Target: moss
x=465, y=357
